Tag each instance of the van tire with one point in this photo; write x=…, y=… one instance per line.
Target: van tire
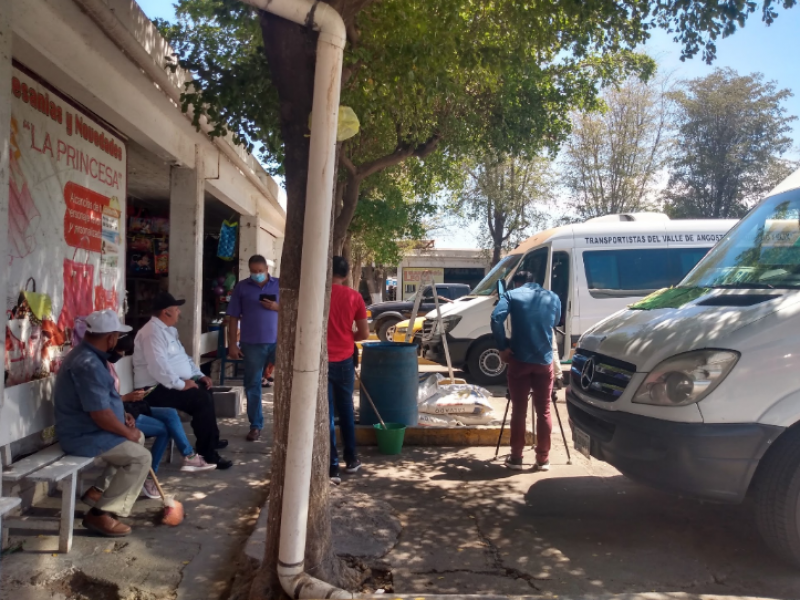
x=481, y=359
x=777, y=497
x=386, y=325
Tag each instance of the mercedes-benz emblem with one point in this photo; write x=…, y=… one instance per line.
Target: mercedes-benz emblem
x=587, y=374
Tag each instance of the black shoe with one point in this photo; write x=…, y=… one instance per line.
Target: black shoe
x=336, y=478
x=223, y=463
x=353, y=466
x=222, y=444
x=514, y=464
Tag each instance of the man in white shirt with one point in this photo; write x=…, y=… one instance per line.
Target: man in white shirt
x=172, y=379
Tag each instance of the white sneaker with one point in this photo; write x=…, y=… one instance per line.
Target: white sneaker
x=545, y=466
x=150, y=490
x=196, y=464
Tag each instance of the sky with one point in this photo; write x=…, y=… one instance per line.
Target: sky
x=755, y=48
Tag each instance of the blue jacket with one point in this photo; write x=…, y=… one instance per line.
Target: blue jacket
x=534, y=313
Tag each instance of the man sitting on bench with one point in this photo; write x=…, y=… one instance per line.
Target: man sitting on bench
x=172, y=379
x=91, y=421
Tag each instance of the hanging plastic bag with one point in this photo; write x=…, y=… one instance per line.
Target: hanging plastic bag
x=227, y=240
x=78, y=291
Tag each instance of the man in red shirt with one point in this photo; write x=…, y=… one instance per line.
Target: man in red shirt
x=347, y=307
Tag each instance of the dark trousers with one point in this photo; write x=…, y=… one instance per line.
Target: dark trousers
x=199, y=403
x=524, y=378
x=341, y=381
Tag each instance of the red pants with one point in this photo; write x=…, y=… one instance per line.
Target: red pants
x=524, y=378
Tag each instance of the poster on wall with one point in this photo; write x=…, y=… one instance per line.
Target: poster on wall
x=65, y=227
x=412, y=276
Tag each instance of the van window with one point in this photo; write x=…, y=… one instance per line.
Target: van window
x=633, y=273
x=536, y=263
x=489, y=283
x=559, y=281
x=762, y=251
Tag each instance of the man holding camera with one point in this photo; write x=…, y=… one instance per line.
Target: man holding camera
x=534, y=312
x=254, y=302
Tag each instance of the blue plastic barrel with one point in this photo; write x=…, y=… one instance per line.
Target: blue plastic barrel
x=389, y=372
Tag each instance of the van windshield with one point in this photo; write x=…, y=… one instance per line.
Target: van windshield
x=489, y=283
x=761, y=252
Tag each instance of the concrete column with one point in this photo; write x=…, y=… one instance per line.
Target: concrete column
x=5, y=133
x=186, y=211
x=248, y=242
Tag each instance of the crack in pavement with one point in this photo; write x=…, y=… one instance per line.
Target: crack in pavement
x=497, y=559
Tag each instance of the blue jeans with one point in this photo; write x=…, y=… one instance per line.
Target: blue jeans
x=255, y=359
x=164, y=424
x=341, y=380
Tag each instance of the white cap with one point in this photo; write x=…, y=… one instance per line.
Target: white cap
x=105, y=321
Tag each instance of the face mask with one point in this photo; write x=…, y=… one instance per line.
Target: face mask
x=258, y=277
x=114, y=356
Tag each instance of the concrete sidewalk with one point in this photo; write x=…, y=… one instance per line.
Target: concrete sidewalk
x=194, y=561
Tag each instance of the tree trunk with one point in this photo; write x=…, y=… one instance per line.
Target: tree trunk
x=347, y=254
x=352, y=186
x=291, y=52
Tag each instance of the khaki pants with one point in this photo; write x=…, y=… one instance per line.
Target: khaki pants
x=127, y=467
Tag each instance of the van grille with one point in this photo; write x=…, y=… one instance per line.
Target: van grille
x=607, y=379
x=427, y=328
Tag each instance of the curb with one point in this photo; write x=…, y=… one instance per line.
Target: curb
x=480, y=435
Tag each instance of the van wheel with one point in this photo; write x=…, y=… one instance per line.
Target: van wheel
x=484, y=364
x=386, y=330
x=778, y=498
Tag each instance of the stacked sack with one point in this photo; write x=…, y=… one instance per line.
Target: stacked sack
x=452, y=405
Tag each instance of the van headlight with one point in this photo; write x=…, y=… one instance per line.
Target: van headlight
x=686, y=378
x=447, y=324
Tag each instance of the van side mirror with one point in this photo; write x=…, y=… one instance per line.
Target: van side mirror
x=501, y=287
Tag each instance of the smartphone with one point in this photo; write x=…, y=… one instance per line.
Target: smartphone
x=270, y=297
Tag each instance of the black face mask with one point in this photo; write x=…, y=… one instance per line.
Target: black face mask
x=114, y=356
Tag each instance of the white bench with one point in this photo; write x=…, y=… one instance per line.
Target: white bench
x=28, y=409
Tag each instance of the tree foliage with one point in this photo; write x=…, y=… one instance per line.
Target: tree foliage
x=613, y=157
x=508, y=197
x=730, y=143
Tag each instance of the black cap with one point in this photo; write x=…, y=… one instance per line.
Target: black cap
x=165, y=300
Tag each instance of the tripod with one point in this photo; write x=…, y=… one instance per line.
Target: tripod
x=553, y=397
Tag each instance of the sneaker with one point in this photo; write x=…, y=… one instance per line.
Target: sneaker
x=336, y=478
x=353, y=466
x=545, y=466
x=150, y=490
x=196, y=464
x=514, y=463
x=266, y=382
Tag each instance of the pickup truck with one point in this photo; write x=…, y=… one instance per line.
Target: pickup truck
x=384, y=316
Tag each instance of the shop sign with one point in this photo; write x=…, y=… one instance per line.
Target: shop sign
x=66, y=231
x=412, y=276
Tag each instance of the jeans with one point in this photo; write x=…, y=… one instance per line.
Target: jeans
x=164, y=422
x=255, y=359
x=341, y=380
x=524, y=378
x=199, y=403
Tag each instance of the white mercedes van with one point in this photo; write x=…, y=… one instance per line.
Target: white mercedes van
x=596, y=268
x=696, y=389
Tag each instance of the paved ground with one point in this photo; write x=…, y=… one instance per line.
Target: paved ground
x=195, y=561
x=448, y=521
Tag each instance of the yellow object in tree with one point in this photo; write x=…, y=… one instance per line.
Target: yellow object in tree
x=348, y=123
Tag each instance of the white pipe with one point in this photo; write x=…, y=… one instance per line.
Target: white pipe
x=313, y=273
x=119, y=34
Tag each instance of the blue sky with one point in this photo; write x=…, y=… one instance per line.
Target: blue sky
x=755, y=48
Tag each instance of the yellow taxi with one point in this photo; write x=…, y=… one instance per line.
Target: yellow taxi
x=402, y=327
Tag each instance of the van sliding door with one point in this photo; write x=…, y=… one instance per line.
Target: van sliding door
x=559, y=284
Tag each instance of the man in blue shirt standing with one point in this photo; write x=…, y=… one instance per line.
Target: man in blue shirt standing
x=534, y=313
x=91, y=421
x=254, y=302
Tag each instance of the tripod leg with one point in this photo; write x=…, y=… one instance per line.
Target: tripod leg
x=502, y=428
x=563, y=435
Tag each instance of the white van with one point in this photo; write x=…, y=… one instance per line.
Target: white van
x=596, y=268
x=697, y=389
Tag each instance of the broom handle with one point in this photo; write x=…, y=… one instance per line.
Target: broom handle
x=158, y=485
x=372, y=404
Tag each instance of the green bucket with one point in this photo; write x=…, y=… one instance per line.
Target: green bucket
x=390, y=440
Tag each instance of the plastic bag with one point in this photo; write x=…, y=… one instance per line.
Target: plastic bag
x=226, y=250
x=426, y=420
